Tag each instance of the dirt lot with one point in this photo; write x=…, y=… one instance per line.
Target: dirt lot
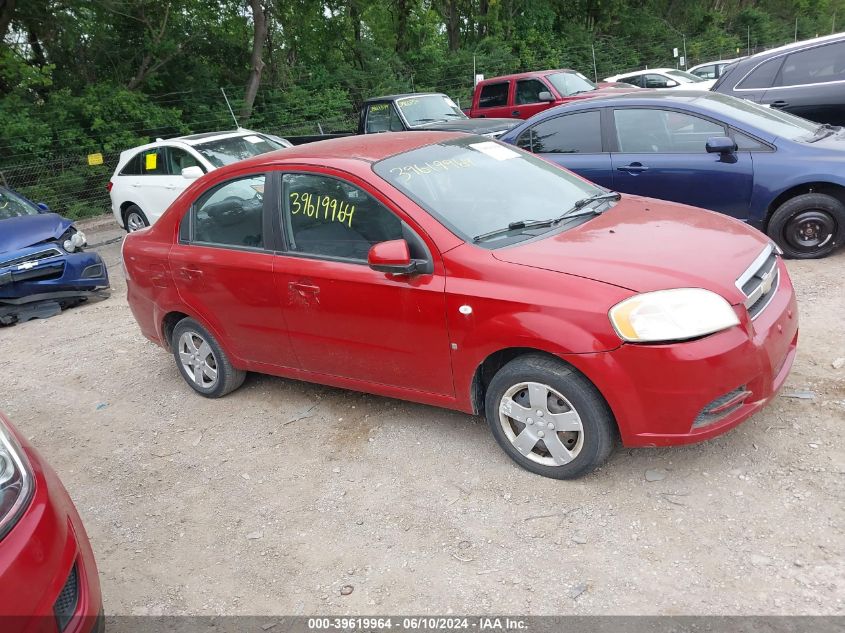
x=234, y=506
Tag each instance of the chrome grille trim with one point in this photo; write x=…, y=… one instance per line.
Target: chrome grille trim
x=31, y=257
x=760, y=281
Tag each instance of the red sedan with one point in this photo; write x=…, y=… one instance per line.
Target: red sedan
x=453, y=270
x=48, y=579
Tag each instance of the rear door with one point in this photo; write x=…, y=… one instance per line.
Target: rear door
x=573, y=141
x=661, y=153
x=222, y=267
x=494, y=100
x=811, y=84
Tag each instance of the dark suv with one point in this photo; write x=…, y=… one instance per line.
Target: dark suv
x=806, y=79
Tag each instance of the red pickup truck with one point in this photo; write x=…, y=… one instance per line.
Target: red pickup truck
x=525, y=94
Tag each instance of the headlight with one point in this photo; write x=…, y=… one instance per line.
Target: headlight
x=671, y=315
x=73, y=240
x=15, y=481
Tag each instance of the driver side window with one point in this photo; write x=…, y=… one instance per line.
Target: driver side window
x=232, y=214
x=328, y=217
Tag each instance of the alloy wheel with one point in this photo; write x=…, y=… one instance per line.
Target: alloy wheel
x=198, y=359
x=541, y=423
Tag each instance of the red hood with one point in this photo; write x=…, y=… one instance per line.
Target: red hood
x=644, y=244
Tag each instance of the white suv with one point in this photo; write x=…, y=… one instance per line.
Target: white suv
x=148, y=178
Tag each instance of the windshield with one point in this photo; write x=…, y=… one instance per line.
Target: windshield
x=769, y=120
x=429, y=109
x=225, y=151
x=13, y=205
x=474, y=185
x=684, y=76
x=570, y=83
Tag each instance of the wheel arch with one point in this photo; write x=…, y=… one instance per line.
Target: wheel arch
x=168, y=324
x=494, y=362
x=832, y=189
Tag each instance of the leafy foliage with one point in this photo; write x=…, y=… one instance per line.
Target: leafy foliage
x=86, y=76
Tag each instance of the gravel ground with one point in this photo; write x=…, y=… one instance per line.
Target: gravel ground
x=283, y=496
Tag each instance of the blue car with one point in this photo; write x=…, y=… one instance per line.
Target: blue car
x=782, y=174
x=43, y=267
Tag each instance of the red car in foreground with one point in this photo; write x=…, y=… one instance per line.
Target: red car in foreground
x=454, y=270
x=48, y=579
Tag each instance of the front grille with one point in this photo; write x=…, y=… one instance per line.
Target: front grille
x=721, y=407
x=31, y=257
x=759, y=282
x=65, y=605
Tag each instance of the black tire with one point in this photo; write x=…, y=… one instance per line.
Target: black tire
x=130, y=212
x=228, y=378
x=808, y=226
x=593, y=445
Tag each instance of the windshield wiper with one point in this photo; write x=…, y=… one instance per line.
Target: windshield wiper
x=431, y=121
x=535, y=224
x=823, y=131
x=583, y=202
x=514, y=226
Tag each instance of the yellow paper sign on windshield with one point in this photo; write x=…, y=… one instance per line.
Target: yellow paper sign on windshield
x=95, y=159
x=150, y=161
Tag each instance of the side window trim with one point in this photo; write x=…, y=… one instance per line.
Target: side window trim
x=766, y=147
x=280, y=222
x=266, y=209
x=613, y=137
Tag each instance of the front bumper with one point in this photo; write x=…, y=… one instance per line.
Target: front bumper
x=82, y=271
x=661, y=394
x=38, y=557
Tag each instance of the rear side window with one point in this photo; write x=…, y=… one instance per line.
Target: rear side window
x=232, y=214
x=763, y=76
x=817, y=65
x=528, y=91
x=494, y=95
x=132, y=167
x=578, y=133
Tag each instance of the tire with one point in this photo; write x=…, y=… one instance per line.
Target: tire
x=134, y=219
x=590, y=431
x=808, y=226
x=204, y=366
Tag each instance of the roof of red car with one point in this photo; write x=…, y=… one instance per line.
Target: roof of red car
x=369, y=147
x=531, y=73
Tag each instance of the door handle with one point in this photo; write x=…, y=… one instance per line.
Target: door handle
x=303, y=288
x=633, y=168
x=190, y=273
x=778, y=104
x=515, y=113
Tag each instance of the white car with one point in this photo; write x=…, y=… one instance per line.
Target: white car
x=663, y=78
x=148, y=178
x=712, y=70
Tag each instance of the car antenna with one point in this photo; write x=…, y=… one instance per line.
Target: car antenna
x=228, y=105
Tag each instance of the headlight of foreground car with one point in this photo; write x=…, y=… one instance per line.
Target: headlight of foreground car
x=671, y=315
x=15, y=481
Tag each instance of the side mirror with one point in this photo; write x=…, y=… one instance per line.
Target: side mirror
x=43, y=207
x=545, y=95
x=391, y=257
x=671, y=83
x=192, y=173
x=720, y=145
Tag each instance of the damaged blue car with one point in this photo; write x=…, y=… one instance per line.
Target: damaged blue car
x=43, y=265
